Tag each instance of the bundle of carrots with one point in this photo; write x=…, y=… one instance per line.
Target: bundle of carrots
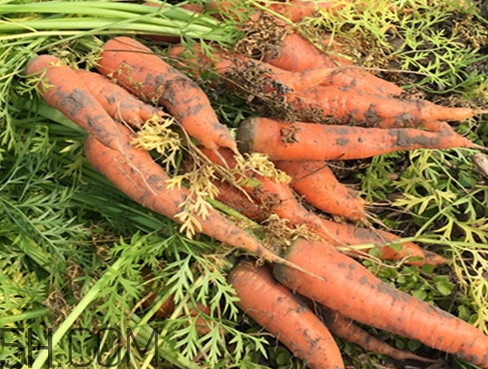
x=133, y=87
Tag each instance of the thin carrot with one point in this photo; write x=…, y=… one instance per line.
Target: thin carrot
x=162, y=199
x=348, y=287
x=318, y=185
x=117, y=101
x=272, y=197
x=61, y=88
x=346, y=329
x=313, y=141
x=295, y=53
x=297, y=10
x=223, y=63
x=237, y=200
x=325, y=103
x=135, y=67
x=345, y=234
x=294, y=10
x=285, y=315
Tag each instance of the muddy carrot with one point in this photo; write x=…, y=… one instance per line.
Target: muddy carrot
x=135, y=67
x=345, y=234
x=61, y=88
x=330, y=103
x=317, y=184
x=117, y=101
x=348, y=330
x=133, y=181
x=285, y=315
x=313, y=141
x=278, y=198
x=269, y=78
x=295, y=53
x=348, y=287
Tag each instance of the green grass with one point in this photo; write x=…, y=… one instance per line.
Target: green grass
x=72, y=248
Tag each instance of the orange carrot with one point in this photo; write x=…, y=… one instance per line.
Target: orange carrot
x=278, y=198
x=162, y=199
x=289, y=55
x=346, y=329
x=325, y=103
x=135, y=67
x=61, y=88
x=348, y=287
x=315, y=181
x=344, y=234
x=296, y=54
x=313, y=141
x=294, y=10
x=237, y=200
x=117, y=101
x=224, y=62
x=273, y=197
x=297, y=10
x=285, y=315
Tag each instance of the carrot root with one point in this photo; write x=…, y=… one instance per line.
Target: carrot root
x=285, y=315
x=348, y=287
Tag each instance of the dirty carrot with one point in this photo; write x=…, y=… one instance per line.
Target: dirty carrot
x=117, y=101
x=294, y=11
x=326, y=103
x=296, y=54
x=318, y=185
x=348, y=287
x=285, y=315
x=314, y=141
x=271, y=197
x=348, y=330
x=270, y=78
x=61, y=88
x=135, y=67
x=162, y=199
x=237, y=200
x=345, y=234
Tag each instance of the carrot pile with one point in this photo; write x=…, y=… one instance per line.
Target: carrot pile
x=341, y=114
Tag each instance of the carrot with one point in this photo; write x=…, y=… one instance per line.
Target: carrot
x=346, y=329
x=285, y=315
x=272, y=197
x=162, y=199
x=313, y=141
x=325, y=103
x=294, y=10
x=345, y=234
x=117, y=101
x=348, y=287
x=223, y=63
x=61, y=88
x=136, y=68
x=315, y=181
x=296, y=54
x=237, y=200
